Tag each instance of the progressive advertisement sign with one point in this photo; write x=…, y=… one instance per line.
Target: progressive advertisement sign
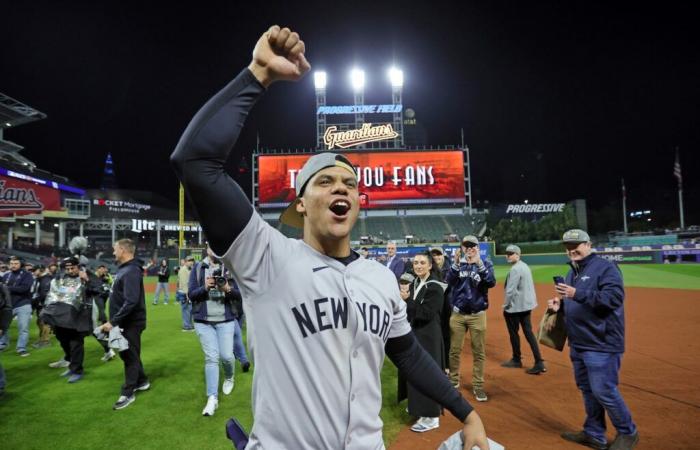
x=386, y=179
x=20, y=197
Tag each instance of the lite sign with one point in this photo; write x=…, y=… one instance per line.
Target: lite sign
x=351, y=138
x=138, y=225
x=359, y=109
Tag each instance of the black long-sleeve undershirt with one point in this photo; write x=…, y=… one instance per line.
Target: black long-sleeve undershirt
x=425, y=375
x=221, y=205
x=224, y=210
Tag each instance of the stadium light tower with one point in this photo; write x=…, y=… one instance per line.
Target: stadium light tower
x=320, y=81
x=396, y=79
x=357, y=79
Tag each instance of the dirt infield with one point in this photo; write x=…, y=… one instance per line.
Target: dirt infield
x=660, y=380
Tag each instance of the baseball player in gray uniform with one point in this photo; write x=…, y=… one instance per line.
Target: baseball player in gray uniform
x=320, y=318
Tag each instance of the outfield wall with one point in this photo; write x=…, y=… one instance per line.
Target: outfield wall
x=685, y=255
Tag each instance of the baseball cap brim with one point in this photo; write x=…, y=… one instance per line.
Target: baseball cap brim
x=290, y=216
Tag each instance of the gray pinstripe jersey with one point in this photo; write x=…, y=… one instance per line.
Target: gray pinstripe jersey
x=316, y=333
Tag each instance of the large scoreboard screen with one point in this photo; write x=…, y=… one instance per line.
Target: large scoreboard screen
x=393, y=179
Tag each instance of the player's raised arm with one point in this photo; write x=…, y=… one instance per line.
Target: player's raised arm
x=222, y=207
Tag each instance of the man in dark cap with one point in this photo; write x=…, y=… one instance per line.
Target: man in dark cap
x=593, y=297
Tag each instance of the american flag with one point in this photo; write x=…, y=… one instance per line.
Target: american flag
x=677, y=169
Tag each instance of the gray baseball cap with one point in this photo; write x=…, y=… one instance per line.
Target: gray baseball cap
x=512, y=248
x=470, y=238
x=575, y=236
x=437, y=250
x=407, y=277
x=313, y=165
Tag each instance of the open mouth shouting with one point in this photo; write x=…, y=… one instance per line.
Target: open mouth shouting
x=340, y=208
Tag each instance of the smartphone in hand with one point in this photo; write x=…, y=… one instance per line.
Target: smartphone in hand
x=558, y=280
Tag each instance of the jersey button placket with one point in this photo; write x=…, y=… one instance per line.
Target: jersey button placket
x=354, y=355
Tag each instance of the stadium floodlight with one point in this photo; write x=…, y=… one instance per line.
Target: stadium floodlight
x=320, y=79
x=396, y=77
x=357, y=79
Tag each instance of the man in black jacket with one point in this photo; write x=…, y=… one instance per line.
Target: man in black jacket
x=127, y=310
x=19, y=282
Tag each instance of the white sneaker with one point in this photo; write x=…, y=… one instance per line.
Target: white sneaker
x=109, y=355
x=59, y=364
x=426, y=424
x=228, y=386
x=212, y=404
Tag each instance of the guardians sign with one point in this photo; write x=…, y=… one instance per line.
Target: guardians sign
x=21, y=198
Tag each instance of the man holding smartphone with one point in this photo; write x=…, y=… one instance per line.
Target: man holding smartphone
x=592, y=295
x=470, y=279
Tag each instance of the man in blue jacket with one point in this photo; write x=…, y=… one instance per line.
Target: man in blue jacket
x=470, y=279
x=19, y=283
x=592, y=298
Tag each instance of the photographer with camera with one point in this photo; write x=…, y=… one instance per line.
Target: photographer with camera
x=215, y=323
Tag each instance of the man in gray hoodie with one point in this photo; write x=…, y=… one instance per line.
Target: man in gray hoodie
x=519, y=302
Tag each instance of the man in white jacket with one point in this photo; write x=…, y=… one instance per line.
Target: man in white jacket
x=520, y=300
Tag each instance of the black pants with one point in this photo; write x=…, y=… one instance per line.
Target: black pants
x=134, y=375
x=513, y=320
x=101, y=318
x=73, y=347
x=100, y=305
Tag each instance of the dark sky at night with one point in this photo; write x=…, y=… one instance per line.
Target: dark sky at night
x=558, y=100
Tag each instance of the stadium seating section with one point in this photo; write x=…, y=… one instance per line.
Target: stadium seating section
x=422, y=228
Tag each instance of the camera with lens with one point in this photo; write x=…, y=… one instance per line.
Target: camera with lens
x=218, y=279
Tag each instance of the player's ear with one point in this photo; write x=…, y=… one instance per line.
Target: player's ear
x=300, y=207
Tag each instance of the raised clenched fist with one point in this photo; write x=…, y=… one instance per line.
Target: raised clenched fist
x=279, y=55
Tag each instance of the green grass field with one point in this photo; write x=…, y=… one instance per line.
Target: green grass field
x=40, y=410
